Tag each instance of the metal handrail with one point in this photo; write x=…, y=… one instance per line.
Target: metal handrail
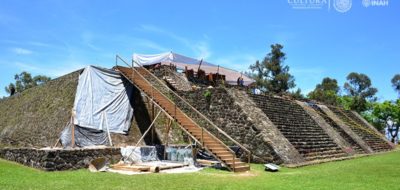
x=184, y=129
x=190, y=106
x=204, y=117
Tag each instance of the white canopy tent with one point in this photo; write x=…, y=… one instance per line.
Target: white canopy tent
x=181, y=62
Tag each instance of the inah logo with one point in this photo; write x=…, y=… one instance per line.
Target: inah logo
x=366, y=3
x=373, y=3
x=342, y=5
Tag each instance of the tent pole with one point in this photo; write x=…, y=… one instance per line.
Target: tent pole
x=201, y=61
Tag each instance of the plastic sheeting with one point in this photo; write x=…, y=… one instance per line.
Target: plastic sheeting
x=132, y=154
x=179, y=154
x=83, y=137
x=181, y=62
x=102, y=101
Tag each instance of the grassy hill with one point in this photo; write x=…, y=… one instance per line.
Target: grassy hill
x=373, y=172
x=36, y=116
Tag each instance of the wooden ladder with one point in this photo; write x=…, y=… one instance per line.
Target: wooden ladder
x=207, y=140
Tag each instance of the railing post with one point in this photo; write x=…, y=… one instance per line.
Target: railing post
x=133, y=69
x=175, y=111
x=234, y=164
x=248, y=157
x=202, y=137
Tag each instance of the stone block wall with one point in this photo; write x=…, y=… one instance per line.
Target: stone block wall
x=299, y=128
x=228, y=116
x=347, y=137
x=371, y=137
x=58, y=159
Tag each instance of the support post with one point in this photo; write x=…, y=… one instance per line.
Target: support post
x=145, y=133
x=72, y=132
x=108, y=130
x=234, y=156
x=202, y=137
x=175, y=112
x=166, y=137
x=152, y=117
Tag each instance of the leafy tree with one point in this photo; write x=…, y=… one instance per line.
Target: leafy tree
x=25, y=81
x=396, y=83
x=326, y=92
x=345, y=102
x=270, y=74
x=386, y=114
x=359, y=88
x=297, y=94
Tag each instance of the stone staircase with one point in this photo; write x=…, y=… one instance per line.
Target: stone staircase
x=222, y=110
x=177, y=81
x=356, y=147
x=372, y=139
x=193, y=126
x=299, y=128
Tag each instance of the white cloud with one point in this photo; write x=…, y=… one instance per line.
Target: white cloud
x=199, y=48
x=202, y=50
x=88, y=40
x=150, y=44
x=39, y=44
x=62, y=68
x=21, y=51
x=238, y=61
x=307, y=74
x=151, y=28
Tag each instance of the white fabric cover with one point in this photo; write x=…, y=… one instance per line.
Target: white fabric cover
x=102, y=100
x=181, y=62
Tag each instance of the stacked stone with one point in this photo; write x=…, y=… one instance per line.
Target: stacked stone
x=229, y=117
x=356, y=147
x=299, y=128
x=372, y=139
x=222, y=111
x=58, y=159
x=177, y=80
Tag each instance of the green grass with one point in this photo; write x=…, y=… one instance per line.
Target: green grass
x=373, y=172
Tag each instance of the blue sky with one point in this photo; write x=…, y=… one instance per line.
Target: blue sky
x=57, y=37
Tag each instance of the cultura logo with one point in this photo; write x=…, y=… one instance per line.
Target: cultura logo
x=340, y=5
x=308, y=4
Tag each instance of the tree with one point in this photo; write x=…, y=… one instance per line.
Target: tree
x=271, y=75
x=326, y=92
x=359, y=88
x=396, y=83
x=25, y=81
x=387, y=114
x=297, y=94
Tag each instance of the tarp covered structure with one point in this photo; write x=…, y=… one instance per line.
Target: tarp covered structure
x=102, y=101
x=181, y=62
x=102, y=106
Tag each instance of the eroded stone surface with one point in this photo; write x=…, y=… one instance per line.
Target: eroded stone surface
x=58, y=159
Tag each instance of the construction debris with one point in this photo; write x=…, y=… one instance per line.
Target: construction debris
x=98, y=165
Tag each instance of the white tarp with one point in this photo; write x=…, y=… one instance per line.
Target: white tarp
x=103, y=100
x=181, y=62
